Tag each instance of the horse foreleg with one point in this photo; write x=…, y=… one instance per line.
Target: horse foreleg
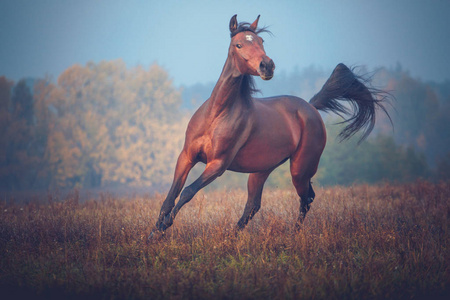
x=213, y=170
x=184, y=165
x=255, y=186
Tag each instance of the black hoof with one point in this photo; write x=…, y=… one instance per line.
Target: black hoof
x=166, y=223
x=156, y=235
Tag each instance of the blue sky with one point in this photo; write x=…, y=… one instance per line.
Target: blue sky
x=190, y=38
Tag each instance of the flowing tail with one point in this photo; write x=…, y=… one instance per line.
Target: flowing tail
x=344, y=85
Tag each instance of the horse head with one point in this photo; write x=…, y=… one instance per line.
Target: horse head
x=247, y=50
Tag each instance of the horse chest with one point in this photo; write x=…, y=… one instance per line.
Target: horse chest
x=222, y=137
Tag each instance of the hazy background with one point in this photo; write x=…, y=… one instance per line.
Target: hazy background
x=190, y=38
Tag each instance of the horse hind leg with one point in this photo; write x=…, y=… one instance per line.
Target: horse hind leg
x=255, y=186
x=301, y=178
x=306, y=194
x=305, y=203
x=304, y=164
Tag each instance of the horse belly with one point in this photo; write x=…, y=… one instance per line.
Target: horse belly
x=263, y=153
x=275, y=137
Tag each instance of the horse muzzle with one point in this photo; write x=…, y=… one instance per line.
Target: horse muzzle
x=266, y=68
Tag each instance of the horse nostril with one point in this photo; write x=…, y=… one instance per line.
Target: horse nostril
x=267, y=66
x=262, y=66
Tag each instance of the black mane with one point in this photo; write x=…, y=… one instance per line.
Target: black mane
x=244, y=26
x=248, y=86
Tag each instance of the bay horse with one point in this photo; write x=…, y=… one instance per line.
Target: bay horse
x=234, y=131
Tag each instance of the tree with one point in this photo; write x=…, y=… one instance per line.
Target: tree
x=376, y=159
x=22, y=101
x=114, y=126
x=5, y=120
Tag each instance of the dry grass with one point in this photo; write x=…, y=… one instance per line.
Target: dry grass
x=361, y=242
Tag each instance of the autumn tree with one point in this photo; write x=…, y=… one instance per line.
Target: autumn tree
x=115, y=126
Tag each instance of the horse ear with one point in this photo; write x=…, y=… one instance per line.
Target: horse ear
x=233, y=23
x=255, y=24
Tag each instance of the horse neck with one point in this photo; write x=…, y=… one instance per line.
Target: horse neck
x=231, y=90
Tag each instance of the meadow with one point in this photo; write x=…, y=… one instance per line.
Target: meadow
x=387, y=241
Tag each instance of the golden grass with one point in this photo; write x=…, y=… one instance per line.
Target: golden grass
x=360, y=242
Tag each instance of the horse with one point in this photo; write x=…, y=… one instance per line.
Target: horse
x=234, y=131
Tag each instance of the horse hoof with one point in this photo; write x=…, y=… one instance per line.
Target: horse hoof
x=155, y=236
x=168, y=221
x=235, y=231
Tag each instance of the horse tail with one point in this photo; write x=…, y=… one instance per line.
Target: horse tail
x=344, y=85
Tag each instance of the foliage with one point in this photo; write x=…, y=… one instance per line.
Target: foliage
x=21, y=141
x=375, y=160
x=420, y=113
x=362, y=242
x=103, y=125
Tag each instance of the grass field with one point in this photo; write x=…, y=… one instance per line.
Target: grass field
x=359, y=242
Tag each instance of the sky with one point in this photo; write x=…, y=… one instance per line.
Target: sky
x=190, y=39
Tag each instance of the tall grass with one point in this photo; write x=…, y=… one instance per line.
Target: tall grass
x=359, y=242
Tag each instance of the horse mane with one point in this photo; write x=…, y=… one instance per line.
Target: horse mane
x=244, y=26
x=248, y=86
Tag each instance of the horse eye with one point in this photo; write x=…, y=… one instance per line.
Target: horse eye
x=239, y=46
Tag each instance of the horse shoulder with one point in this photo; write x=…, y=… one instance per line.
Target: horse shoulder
x=196, y=140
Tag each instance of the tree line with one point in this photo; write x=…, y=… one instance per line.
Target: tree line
x=104, y=124
x=99, y=125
